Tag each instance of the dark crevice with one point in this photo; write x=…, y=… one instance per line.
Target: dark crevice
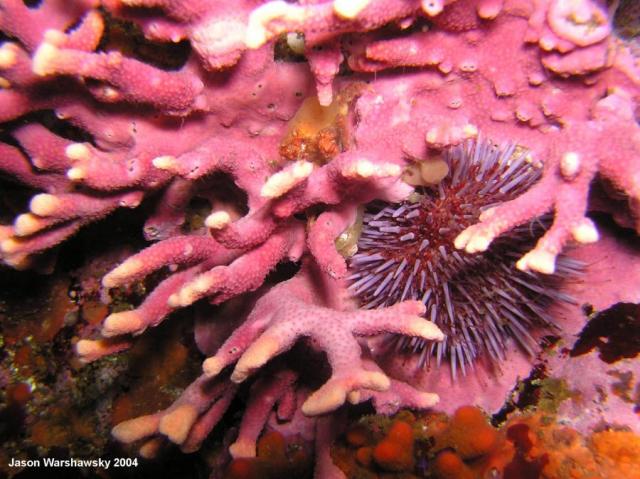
x=527, y=394
x=33, y=4
x=615, y=332
x=127, y=37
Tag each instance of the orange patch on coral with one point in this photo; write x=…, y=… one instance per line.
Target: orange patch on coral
x=23, y=356
x=318, y=133
x=391, y=456
x=469, y=446
x=466, y=446
x=272, y=446
x=401, y=433
x=41, y=317
x=43, y=434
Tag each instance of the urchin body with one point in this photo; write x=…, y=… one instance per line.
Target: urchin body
x=406, y=251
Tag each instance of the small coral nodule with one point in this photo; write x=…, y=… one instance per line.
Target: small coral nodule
x=407, y=251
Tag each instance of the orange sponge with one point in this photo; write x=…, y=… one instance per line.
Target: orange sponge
x=395, y=451
x=448, y=465
x=470, y=434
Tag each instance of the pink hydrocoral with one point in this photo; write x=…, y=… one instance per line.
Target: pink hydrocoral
x=308, y=305
x=117, y=167
x=544, y=74
x=216, y=30
x=571, y=165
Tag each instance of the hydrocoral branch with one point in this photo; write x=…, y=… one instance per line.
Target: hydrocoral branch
x=322, y=21
x=324, y=63
x=205, y=273
x=267, y=393
x=322, y=236
x=570, y=168
x=247, y=273
x=187, y=422
x=53, y=218
x=126, y=154
x=30, y=24
x=351, y=177
x=193, y=254
x=399, y=395
x=222, y=154
x=216, y=30
x=126, y=79
x=293, y=310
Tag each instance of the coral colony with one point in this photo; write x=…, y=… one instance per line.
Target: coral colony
x=425, y=164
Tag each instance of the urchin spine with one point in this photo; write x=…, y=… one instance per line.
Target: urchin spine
x=406, y=251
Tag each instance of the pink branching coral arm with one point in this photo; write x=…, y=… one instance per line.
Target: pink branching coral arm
x=288, y=312
x=221, y=154
x=170, y=214
x=247, y=273
x=216, y=30
x=126, y=147
x=193, y=253
x=322, y=235
x=126, y=79
x=327, y=430
x=351, y=175
x=187, y=422
x=46, y=150
x=15, y=63
x=399, y=395
x=29, y=25
x=324, y=62
x=53, y=218
x=569, y=171
x=321, y=21
x=247, y=232
x=14, y=163
x=103, y=170
x=190, y=419
x=267, y=393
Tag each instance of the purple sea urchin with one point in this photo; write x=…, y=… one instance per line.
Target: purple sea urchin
x=406, y=251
